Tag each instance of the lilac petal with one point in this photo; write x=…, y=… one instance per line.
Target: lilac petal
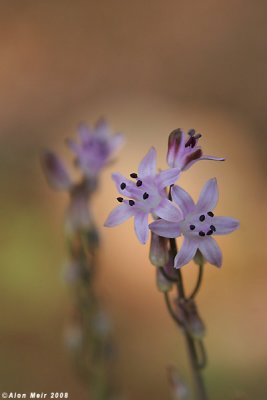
x=101, y=128
x=130, y=186
x=55, y=171
x=211, y=251
x=117, y=216
x=208, y=197
x=176, y=143
x=225, y=225
x=182, y=199
x=198, y=157
x=187, y=252
x=141, y=226
x=116, y=141
x=165, y=228
x=84, y=133
x=168, y=211
x=147, y=167
x=168, y=177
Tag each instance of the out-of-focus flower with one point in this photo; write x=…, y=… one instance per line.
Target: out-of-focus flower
x=184, y=152
x=55, y=171
x=198, y=225
x=147, y=195
x=96, y=149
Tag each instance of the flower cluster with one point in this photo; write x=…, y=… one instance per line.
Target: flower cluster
x=96, y=149
x=175, y=213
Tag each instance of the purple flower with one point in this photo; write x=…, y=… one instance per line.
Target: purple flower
x=198, y=226
x=146, y=194
x=96, y=149
x=184, y=152
x=55, y=171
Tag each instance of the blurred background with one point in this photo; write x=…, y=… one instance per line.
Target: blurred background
x=148, y=67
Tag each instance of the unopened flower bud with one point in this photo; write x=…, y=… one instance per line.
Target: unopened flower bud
x=193, y=323
x=163, y=284
x=55, y=171
x=179, y=390
x=158, y=253
x=198, y=258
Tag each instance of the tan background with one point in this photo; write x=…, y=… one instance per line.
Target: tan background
x=149, y=67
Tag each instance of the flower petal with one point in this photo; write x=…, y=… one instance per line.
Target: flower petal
x=187, y=252
x=147, y=166
x=116, y=141
x=168, y=211
x=84, y=133
x=176, y=143
x=165, y=228
x=211, y=251
x=119, y=179
x=167, y=177
x=120, y=214
x=225, y=225
x=141, y=227
x=182, y=199
x=208, y=197
x=190, y=163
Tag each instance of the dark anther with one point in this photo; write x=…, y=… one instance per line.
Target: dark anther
x=202, y=218
x=120, y=199
x=139, y=183
x=212, y=227
x=131, y=203
x=210, y=213
x=201, y=233
x=133, y=175
x=191, y=142
x=210, y=232
x=123, y=186
x=192, y=227
x=145, y=196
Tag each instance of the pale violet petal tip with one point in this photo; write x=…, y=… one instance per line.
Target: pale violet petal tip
x=165, y=228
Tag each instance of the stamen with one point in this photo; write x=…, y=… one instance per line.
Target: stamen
x=133, y=175
x=120, y=199
x=192, y=227
x=202, y=218
x=191, y=132
x=210, y=232
x=201, y=233
x=131, y=203
x=145, y=196
x=139, y=183
x=210, y=213
x=212, y=227
x=123, y=185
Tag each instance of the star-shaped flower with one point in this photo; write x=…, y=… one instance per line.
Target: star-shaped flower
x=96, y=149
x=198, y=226
x=183, y=151
x=146, y=194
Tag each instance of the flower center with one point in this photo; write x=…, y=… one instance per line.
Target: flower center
x=193, y=138
x=144, y=194
x=199, y=225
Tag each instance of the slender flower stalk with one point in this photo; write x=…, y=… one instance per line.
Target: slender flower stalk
x=89, y=336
